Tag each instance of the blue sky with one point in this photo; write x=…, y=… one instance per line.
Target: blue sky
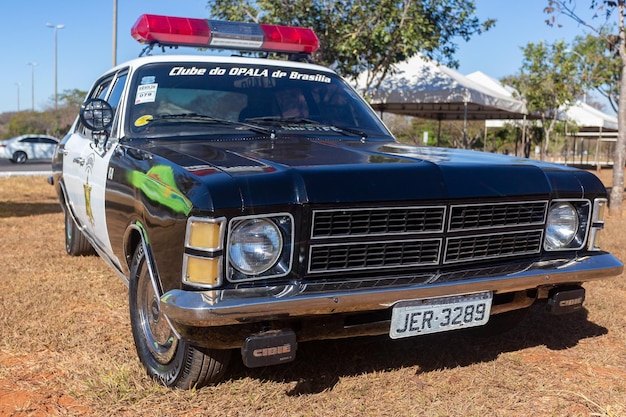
x=85, y=45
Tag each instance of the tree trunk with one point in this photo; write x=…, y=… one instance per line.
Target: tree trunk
x=617, y=191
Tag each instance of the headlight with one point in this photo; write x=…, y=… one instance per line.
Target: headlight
x=567, y=225
x=255, y=246
x=259, y=247
x=562, y=226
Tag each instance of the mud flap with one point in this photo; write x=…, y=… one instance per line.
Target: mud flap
x=564, y=300
x=269, y=348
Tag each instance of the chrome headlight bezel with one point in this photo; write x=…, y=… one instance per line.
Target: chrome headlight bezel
x=597, y=223
x=567, y=225
x=276, y=228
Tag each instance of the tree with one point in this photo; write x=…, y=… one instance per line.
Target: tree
x=72, y=98
x=599, y=65
x=617, y=43
x=548, y=79
x=367, y=36
x=55, y=122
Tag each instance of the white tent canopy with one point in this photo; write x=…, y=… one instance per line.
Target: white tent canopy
x=590, y=118
x=423, y=88
x=491, y=83
x=587, y=118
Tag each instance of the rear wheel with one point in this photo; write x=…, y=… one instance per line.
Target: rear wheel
x=76, y=244
x=19, y=157
x=171, y=361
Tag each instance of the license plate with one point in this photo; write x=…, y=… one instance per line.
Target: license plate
x=432, y=315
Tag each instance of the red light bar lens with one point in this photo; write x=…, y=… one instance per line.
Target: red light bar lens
x=290, y=39
x=181, y=31
x=168, y=30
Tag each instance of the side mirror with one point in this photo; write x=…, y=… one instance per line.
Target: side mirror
x=96, y=114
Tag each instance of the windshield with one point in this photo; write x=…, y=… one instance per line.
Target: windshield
x=191, y=98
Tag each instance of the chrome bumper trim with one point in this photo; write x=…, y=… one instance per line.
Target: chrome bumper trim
x=238, y=306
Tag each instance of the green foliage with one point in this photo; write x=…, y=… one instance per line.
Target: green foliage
x=72, y=98
x=548, y=79
x=29, y=122
x=51, y=122
x=367, y=36
x=615, y=44
x=599, y=64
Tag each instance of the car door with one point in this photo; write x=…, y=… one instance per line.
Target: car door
x=97, y=157
x=28, y=145
x=76, y=172
x=47, y=146
x=85, y=169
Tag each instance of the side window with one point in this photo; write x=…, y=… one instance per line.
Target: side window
x=110, y=89
x=116, y=92
x=115, y=97
x=102, y=89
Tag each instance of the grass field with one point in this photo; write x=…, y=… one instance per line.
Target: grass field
x=66, y=348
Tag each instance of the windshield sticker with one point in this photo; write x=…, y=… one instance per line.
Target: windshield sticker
x=252, y=72
x=187, y=71
x=146, y=93
x=149, y=79
x=143, y=120
x=311, y=128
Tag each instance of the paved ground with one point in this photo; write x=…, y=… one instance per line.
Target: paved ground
x=39, y=167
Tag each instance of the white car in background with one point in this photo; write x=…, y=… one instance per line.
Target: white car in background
x=22, y=148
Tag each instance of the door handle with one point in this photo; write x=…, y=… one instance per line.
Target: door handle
x=80, y=161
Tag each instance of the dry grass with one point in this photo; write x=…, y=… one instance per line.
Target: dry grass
x=66, y=349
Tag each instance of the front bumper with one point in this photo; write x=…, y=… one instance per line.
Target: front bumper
x=250, y=305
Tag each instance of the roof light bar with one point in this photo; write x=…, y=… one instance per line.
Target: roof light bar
x=204, y=33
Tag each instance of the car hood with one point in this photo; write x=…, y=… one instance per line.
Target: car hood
x=307, y=170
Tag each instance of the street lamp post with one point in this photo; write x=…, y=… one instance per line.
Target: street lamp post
x=32, y=84
x=114, y=46
x=55, y=27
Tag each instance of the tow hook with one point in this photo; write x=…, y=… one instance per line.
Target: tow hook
x=562, y=300
x=269, y=348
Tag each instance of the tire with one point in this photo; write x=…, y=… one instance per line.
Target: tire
x=172, y=362
x=19, y=157
x=76, y=244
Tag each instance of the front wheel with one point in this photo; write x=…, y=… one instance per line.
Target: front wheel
x=19, y=157
x=171, y=361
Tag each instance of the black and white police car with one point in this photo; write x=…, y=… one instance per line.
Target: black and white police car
x=251, y=204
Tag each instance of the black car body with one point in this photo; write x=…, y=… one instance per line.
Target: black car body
x=250, y=229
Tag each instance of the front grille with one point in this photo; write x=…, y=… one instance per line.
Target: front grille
x=420, y=236
x=470, y=248
x=375, y=221
x=374, y=255
x=481, y=216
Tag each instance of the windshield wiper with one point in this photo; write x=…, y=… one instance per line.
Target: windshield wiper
x=355, y=132
x=188, y=116
x=203, y=118
x=254, y=123
x=278, y=120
